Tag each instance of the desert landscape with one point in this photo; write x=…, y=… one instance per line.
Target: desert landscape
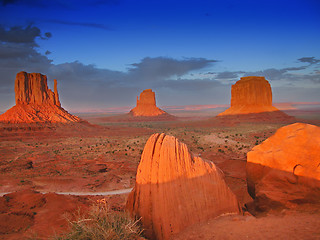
x=159, y=120
x=210, y=178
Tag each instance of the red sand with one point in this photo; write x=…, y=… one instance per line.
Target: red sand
x=82, y=157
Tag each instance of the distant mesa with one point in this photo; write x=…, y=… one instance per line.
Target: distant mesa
x=35, y=102
x=285, y=169
x=175, y=189
x=250, y=95
x=146, y=105
x=251, y=101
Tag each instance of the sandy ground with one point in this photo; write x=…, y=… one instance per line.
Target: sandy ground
x=287, y=225
x=92, y=160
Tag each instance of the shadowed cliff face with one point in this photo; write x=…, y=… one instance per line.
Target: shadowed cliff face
x=146, y=105
x=35, y=102
x=174, y=189
x=285, y=168
x=250, y=95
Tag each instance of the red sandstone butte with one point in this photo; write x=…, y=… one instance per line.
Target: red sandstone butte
x=285, y=169
x=175, y=189
x=35, y=102
x=250, y=95
x=146, y=105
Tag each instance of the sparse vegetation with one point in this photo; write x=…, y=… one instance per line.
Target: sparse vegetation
x=98, y=163
x=102, y=223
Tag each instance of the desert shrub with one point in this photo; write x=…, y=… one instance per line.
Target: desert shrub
x=102, y=223
x=201, y=148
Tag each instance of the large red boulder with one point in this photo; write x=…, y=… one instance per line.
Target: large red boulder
x=285, y=169
x=175, y=189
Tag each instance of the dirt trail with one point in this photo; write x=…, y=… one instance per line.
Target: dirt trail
x=108, y=193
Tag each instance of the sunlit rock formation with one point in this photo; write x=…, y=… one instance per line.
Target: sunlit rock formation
x=285, y=168
x=250, y=95
x=32, y=88
x=35, y=102
x=146, y=105
x=175, y=189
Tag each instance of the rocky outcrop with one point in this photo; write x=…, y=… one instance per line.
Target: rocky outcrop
x=35, y=102
x=250, y=95
x=56, y=95
x=285, y=168
x=175, y=189
x=146, y=105
x=32, y=88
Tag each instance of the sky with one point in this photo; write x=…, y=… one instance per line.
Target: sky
x=105, y=52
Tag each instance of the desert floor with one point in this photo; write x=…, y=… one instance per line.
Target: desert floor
x=39, y=162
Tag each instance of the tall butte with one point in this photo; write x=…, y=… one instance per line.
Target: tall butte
x=35, y=102
x=175, y=189
x=250, y=95
x=146, y=105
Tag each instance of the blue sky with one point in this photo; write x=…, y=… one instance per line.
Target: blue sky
x=104, y=52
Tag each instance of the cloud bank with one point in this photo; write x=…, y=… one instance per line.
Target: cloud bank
x=184, y=81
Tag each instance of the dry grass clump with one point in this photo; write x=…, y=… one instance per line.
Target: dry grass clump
x=102, y=223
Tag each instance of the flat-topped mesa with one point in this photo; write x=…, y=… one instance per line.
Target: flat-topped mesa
x=250, y=95
x=32, y=88
x=147, y=98
x=175, y=189
x=146, y=105
x=35, y=102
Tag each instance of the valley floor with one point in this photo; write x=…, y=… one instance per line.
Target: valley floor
x=103, y=158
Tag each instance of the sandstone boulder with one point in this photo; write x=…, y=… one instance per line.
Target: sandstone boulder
x=250, y=95
x=146, y=105
x=175, y=189
x=35, y=102
x=285, y=169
